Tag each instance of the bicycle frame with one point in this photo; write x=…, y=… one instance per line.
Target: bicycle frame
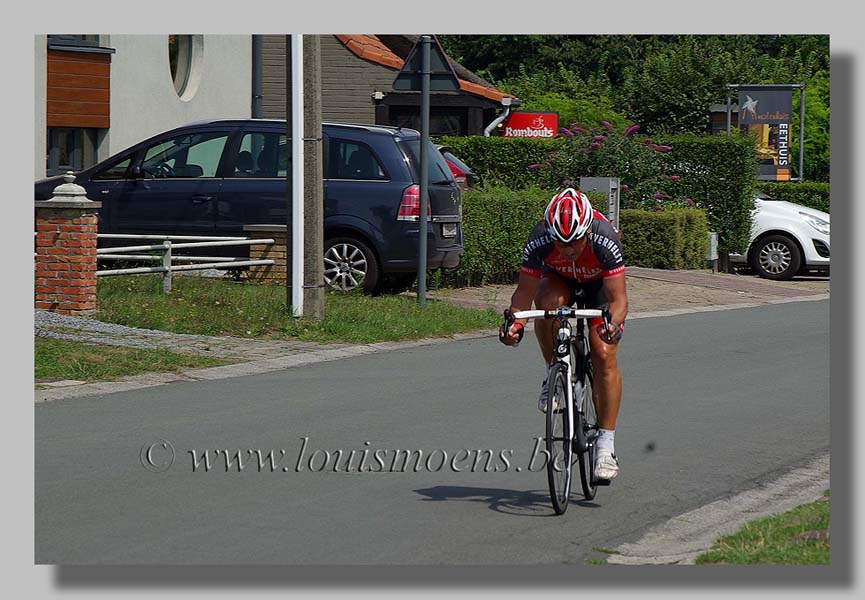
x=571, y=362
x=564, y=342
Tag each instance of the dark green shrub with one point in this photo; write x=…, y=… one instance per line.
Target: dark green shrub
x=665, y=239
x=496, y=225
x=713, y=172
x=811, y=194
x=695, y=233
x=717, y=174
x=499, y=161
x=497, y=222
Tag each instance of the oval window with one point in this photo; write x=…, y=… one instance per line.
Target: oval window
x=184, y=56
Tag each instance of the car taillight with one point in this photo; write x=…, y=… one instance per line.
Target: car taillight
x=458, y=173
x=409, y=207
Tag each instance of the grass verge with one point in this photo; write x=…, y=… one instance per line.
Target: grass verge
x=64, y=359
x=223, y=307
x=797, y=537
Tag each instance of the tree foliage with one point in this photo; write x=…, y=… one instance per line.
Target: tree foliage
x=666, y=83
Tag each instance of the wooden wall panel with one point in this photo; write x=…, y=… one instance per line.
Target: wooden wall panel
x=274, y=86
x=78, y=89
x=81, y=94
x=78, y=121
x=57, y=80
x=347, y=83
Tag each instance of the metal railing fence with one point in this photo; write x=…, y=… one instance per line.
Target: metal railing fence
x=167, y=257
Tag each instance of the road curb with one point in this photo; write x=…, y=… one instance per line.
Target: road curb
x=242, y=369
x=681, y=539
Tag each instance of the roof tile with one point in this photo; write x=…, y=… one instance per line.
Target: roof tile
x=369, y=47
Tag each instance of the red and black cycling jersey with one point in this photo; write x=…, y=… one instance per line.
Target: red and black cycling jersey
x=601, y=258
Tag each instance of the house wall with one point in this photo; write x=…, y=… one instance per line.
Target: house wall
x=347, y=82
x=273, y=77
x=144, y=101
x=40, y=129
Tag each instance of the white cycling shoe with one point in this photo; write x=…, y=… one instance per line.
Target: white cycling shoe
x=606, y=464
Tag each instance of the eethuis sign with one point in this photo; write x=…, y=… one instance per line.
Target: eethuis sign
x=766, y=113
x=530, y=124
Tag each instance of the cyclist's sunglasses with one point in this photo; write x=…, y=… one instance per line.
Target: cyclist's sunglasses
x=572, y=242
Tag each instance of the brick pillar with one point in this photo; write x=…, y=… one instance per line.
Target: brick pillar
x=66, y=251
x=278, y=252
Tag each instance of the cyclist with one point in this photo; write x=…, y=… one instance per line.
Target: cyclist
x=576, y=249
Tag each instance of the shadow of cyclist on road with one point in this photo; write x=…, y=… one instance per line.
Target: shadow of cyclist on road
x=531, y=503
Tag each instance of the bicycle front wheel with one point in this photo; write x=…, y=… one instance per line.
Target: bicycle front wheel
x=559, y=447
x=587, y=422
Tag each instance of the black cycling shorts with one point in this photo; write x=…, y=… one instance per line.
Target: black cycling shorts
x=586, y=295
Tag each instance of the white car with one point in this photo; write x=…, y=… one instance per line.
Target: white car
x=786, y=239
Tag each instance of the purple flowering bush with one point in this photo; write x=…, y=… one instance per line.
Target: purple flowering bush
x=646, y=173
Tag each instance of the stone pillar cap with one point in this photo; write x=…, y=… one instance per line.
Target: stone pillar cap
x=70, y=191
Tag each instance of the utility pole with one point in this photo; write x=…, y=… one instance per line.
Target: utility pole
x=313, y=195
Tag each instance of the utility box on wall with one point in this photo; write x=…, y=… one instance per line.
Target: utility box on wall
x=608, y=186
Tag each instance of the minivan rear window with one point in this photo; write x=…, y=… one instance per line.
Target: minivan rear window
x=437, y=169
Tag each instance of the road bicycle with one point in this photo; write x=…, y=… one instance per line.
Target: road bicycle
x=571, y=418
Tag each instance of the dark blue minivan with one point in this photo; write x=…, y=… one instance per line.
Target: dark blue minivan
x=215, y=177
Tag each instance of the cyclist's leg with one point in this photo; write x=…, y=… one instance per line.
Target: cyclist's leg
x=607, y=377
x=607, y=388
x=608, y=380
x=552, y=293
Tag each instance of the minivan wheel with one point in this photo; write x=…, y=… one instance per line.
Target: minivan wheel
x=349, y=264
x=776, y=257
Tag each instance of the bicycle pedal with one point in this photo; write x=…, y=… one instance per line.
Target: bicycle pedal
x=602, y=481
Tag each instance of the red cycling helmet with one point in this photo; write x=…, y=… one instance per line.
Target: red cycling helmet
x=568, y=216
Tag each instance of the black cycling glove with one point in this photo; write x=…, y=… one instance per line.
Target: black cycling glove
x=611, y=337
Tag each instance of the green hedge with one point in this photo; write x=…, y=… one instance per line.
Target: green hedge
x=811, y=194
x=668, y=239
x=497, y=222
x=499, y=161
x=717, y=171
x=496, y=225
x=712, y=172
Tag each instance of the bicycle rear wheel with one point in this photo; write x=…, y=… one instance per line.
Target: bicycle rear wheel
x=587, y=424
x=559, y=447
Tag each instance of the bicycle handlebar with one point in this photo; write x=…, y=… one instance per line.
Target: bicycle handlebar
x=562, y=312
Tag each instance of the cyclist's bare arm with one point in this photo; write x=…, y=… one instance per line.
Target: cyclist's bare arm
x=524, y=295
x=617, y=296
x=522, y=299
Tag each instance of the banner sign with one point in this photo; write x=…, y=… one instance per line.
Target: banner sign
x=766, y=111
x=530, y=124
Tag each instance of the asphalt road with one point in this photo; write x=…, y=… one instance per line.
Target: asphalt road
x=727, y=400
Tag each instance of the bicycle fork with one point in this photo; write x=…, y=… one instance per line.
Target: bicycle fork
x=563, y=353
